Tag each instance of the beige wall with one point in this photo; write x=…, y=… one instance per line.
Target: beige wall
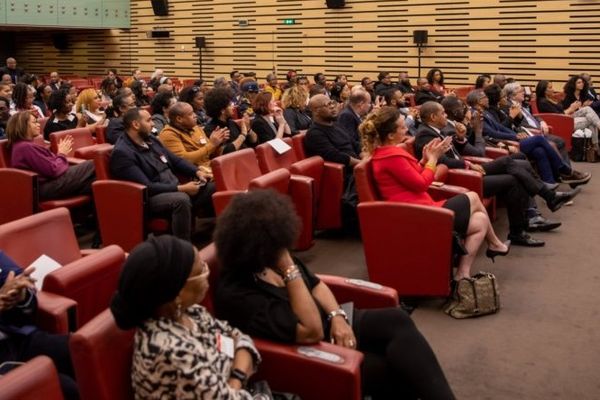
x=528, y=40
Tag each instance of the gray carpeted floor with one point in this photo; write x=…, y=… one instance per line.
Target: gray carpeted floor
x=545, y=341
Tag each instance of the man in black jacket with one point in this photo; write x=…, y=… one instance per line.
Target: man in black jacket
x=351, y=116
x=12, y=70
x=503, y=177
x=424, y=93
x=140, y=157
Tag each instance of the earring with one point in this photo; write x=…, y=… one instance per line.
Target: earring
x=178, y=309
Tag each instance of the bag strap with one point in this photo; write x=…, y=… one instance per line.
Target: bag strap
x=472, y=282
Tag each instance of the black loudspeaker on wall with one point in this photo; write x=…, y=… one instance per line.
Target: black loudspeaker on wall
x=60, y=41
x=420, y=37
x=200, y=42
x=160, y=7
x=158, y=34
x=336, y=3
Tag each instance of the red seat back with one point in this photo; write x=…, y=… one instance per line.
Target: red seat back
x=49, y=232
x=299, y=149
x=102, y=163
x=270, y=160
x=365, y=183
x=82, y=137
x=234, y=171
x=209, y=255
x=101, y=355
x=562, y=126
x=4, y=154
x=36, y=379
x=43, y=122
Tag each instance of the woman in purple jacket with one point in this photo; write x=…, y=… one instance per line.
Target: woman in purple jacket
x=57, y=179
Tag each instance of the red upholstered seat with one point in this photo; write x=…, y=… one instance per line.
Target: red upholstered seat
x=236, y=172
x=562, y=126
x=392, y=234
x=84, y=144
x=36, y=379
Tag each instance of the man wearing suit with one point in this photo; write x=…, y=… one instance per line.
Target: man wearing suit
x=138, y=156
x=424, y=93
x=55, y=81
x=12, y=70
x=502, y=177
x=351, y=116
x=20, y=340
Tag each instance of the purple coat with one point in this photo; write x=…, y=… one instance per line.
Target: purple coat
x=30, y=156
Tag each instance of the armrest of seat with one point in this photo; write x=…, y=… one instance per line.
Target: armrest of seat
x=100, y=134
x=301, y=190
x=56, y=314
x=477, y=160
x=91, y=281
x=120, y=211
x=88, y=252
x=494, y=152
x=329, y=213
x=296, y=369
x=445, y=191
x=89, y=152
x=471, y=180
x=364, y=294
x=23, y=199
x=278, y=180
x=221, y=199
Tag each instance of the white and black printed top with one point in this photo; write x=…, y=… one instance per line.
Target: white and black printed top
x=171, y=361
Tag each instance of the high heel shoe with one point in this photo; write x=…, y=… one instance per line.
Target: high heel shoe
x=494, y=253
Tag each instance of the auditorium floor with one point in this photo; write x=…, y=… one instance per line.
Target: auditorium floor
x=545, y=341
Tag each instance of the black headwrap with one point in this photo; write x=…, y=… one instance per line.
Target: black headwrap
x=154, y=274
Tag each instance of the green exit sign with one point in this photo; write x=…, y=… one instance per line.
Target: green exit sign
x=289, y=21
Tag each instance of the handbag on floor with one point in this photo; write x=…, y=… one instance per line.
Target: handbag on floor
x=590, y=152
x=474, y=297
x=261, y=390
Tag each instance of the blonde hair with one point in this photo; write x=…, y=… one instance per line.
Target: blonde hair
x=294, y=97
x=85, y=98
x=376, y=126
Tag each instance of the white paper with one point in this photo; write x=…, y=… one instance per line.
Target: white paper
x=43, y=266
x=280, y=146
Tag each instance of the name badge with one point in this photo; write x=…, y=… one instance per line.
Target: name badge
x=163, y=158
x=225, y=345
x=202, y=141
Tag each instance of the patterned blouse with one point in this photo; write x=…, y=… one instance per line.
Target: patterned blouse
x=170, y=361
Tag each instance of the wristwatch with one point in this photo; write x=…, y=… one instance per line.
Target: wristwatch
x=335, y=313
x=239, y=375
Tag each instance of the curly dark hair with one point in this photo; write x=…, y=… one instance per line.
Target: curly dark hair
x=480, y=81
x=187, y=94
x=216, y=100
x=160, y=101
x=57, y=100
x=571, y=85
x=253, y=231
x=432, y=72
x=137, y=89
x=493, y=93
x=19, y=95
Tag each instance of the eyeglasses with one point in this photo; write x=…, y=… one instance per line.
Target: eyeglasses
x=330, y=103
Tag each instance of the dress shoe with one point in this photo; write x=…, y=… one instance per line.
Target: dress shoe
x=489, y=253
x=576, y=178
x=539, y=223
x=551, y=186
x=560, y=198
x=523, y=239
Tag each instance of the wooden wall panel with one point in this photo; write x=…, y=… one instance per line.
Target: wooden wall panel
x=526, y=39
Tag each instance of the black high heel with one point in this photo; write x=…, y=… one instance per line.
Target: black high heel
x=494, y=253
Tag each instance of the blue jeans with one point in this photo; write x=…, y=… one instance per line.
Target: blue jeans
x=549, y=162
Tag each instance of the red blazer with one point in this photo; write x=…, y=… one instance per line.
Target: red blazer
x=401, y=178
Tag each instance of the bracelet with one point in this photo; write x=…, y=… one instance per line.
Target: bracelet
x=430, y=166
x=292, y=272
x=337, y=312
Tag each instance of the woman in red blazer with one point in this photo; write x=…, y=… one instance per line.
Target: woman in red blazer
x=400, y=177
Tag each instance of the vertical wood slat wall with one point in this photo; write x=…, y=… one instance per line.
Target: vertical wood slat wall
x=528, y=40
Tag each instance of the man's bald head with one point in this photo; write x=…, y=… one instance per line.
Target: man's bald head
x=318, y=101
x=11, y=63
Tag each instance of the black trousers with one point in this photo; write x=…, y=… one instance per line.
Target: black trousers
x=398, y=363
x=24, y=348
x=520, y=169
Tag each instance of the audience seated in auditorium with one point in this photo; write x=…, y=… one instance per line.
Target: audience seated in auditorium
x=369, y=85
x=235, y=81
x=220, y=110
x=55, y=80
x=294, y=102
x=424, y=93
x=266, y=292
x=435, y=78
x=115, y=128
x=503, y=177
x=140, y=91
x=140, y=157
x=12, y=70
x=88, y=107
x=112, y=74
x=584, y=117
x=4, y=115
x=272, y=87
x=268, y=122
x=62, y=118
x=404, y=83
x=20, y=340
x=136, y=75
x=549, y=163
x=327, y=139
x=184, y=138
x=320, y=84
x=384, y=83
x=57, y=179
x=42, y=96
x=401, y=177
x=395, y=98
x=23, y=96
x=161, y=105
x=483, y=81
x=108, y=90
x=194, y=96
x=179, y=348
x=248, y=91
x=351, y=115
x=340, y=92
